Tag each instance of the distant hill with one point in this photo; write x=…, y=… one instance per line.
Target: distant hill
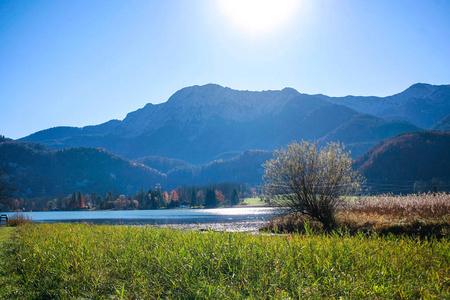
x=443, y=124
x=245, y=168
x=52, y=135
x=363, y=131
x=199, y=123
x=408, y=162
x=4, y=138
x=413, y=161
x=38, y=171
x=325, y=119
x=163, y=164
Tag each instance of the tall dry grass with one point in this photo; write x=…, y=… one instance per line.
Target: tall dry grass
x=414, y=214
x=410, y=207
x=18, y=219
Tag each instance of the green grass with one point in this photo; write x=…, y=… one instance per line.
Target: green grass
x=255, y=201
x=5, y=232
x=68, y=261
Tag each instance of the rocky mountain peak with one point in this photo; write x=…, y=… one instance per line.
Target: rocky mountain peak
x=199, y=123
x=203, y=103
x=418, y=90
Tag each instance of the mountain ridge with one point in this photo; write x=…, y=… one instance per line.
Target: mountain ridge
x=435, y=98
x=199, y=123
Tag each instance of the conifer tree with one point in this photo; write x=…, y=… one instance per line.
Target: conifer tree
x=81, y=200
x=193, y=198
x=73, y=201
x=142, y=199
x=151, y=197
x=210, y=198
x=160, y=197
x=6, y=188
x=235, y=197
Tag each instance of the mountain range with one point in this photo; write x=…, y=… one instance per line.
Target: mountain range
x=421, y=104
x=205, y=134
x=199, y=123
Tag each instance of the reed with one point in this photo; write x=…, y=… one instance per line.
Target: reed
x=72, y=261
x=430, y=206
x=18, y=219
x=417, y=215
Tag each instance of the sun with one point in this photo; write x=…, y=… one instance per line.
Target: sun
x=259, y=17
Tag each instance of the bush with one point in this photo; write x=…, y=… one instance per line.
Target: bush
x=310, y=182
x=18, y=219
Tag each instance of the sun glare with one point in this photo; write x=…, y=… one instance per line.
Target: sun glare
x=257, y=17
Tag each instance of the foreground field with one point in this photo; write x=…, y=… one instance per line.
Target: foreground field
x=4, y=234
x=54, y=261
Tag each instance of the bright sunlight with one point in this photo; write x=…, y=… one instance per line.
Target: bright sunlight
x=259, y=17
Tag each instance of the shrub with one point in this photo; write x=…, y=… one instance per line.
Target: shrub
x=18, y=219
x=310, y=182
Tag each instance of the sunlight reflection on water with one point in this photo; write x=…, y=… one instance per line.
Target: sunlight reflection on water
x=238, y=211
x=218, y=219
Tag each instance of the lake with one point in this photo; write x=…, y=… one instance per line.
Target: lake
x=227, y=219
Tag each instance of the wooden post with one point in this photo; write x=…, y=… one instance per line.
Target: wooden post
x=3, y=217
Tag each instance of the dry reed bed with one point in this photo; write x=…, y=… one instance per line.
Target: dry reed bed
x=415, y=214
x=18, y=219
x=410, y=207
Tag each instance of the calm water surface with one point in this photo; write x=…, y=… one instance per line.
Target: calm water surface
x=228, y=219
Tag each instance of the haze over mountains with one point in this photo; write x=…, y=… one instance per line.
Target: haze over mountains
x=199, y=123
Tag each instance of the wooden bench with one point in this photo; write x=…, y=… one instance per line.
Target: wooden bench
x=3, y=220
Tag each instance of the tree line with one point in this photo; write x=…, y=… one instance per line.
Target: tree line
x=211, y=196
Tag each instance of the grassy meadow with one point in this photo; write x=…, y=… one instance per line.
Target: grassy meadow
x=254, y=201
x=5, y=232
x=79, y=261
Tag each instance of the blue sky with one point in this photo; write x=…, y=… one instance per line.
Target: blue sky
x=77, y=63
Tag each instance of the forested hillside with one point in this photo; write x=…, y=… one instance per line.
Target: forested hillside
x=39, y=171
x=410, y=162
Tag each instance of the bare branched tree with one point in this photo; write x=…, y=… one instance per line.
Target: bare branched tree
x=307, y=181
